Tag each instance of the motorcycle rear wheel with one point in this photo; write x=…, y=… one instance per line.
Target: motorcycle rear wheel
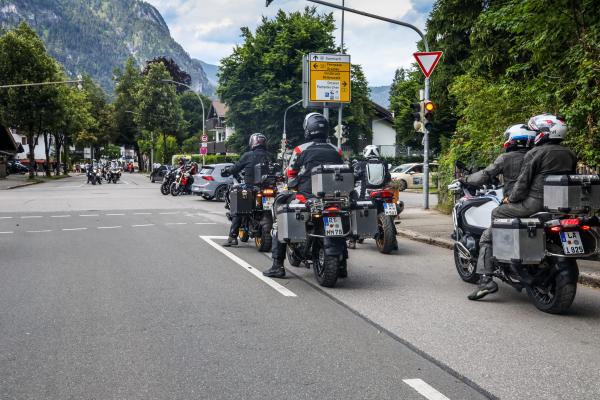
x=466, y=268
x=243, y=235
x=292, y=258
x=557, y=297
x=325, y=267
x=263, y=241
x=386, y=240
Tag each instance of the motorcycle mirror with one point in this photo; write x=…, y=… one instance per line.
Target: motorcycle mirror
x=459, y=164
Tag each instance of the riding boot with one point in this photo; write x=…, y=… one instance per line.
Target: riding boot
x=486, y=286
x=231, y=241
x=276, y=271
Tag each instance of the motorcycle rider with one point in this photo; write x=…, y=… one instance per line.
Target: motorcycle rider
x=257, y=155
x=314, y=152
x=548, y=157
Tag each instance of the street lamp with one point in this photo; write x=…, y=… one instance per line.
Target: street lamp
x=151, y=140
x=197, y=95
x=78, y=81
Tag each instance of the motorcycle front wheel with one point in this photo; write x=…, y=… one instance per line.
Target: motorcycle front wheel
x=164, y=189
x=386, y=239
x=325, y=267
x=175, y=189
x=465, y=266
x=557, y=295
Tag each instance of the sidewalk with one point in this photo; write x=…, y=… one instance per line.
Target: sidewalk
x=20, y=180
x=435, y=228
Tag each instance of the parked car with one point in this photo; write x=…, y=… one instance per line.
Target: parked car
x=15, y=167
x=209, y=183
x=410, y=176
x=159, y=173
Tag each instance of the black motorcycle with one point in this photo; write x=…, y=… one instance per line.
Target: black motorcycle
x=168, y=179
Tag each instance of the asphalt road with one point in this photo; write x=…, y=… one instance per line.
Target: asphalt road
x=116, y=291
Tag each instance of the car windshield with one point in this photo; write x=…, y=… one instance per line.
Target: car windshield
x=402, y=168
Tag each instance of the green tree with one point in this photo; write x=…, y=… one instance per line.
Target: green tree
x=357, y=116
x=192, y=113
x=158, y=108
x=111, y=151
x=23, y=59
x=166, y=146
x=404, y=92
x=127, y=83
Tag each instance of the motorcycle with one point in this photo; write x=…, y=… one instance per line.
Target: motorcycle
x=165, y=186
x=113, y=175
x=326, y=219
x=550, y=284
x=182, y=184
x=387, y=210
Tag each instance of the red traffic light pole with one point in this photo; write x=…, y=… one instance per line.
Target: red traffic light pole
x=426, y=44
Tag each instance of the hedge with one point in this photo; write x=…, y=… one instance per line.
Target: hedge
x=209, y=159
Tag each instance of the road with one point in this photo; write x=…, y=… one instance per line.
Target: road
x=116, y=291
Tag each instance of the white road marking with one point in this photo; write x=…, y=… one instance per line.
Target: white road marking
x=169, y=213
x=42, y=231
x=176, y=223
x=281, y=289
x=139, y=226
x=114, y=214
x=5, y=217
x=89, y=215
x=74, y=229
x=59, y=216
x=142, y=213
x=6, y=233
x=109, y=227
x=31, y=216
x=205, y=223
x=424, y=389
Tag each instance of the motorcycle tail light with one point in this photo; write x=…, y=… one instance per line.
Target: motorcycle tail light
x=208, y=178
x=570, y=223
x=268, y=192
x=555, y=229
x=382, y=194
x=585, y=228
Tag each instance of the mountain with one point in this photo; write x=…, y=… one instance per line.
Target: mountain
x=211, y=72
x=95, y=36
x=381, y=95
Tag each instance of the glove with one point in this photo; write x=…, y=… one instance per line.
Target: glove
x=225, y=172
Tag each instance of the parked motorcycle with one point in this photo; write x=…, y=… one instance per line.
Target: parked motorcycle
x=168, y=179
x=316, y=228
x=182, y=184
x=545, y=246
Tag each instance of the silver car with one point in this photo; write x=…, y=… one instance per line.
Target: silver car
x=209, y=183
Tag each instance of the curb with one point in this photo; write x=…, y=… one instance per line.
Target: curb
x=23, y=185
x=585, y=278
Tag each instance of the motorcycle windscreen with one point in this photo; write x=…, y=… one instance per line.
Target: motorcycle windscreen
x=481, y=216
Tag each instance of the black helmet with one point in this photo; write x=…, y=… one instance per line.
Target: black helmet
x=315, y=126
x=257, y=139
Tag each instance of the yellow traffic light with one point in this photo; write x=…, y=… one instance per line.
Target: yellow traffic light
x=429, y=106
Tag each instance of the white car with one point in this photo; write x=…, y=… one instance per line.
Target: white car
x=410, y=176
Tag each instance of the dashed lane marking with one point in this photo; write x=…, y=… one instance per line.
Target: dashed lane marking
x=113, y=214
x=169, y=213
x=205, y=223
x=141, y=225
x=42, y=231
x=59, y=216
x=281, y=289
x=110, y=227
x=89, y=215
x=176, y=223
x=31, y=216
x=6, y=233
x=6, y=217
x=74, y=229
x=424, y=389
x=142, y=213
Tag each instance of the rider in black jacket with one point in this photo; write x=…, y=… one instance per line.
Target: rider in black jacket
x=257, y=155
x=304, y=158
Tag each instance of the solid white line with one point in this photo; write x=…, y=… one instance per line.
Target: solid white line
x=6, y=233
x=59, y=216
x=176, y=223
x=114, y=214
x=31, y=216
x=43, y=231
x=139, y=226
x=89, y=215
x=142, y=213
x=281, y=289
x=74, y=229
x=424, y=389
x=205, y=223
x=109, y=227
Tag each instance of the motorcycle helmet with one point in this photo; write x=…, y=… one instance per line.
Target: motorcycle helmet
x=257, y=139
x=371, y=151
x=548, y=127
x=518, y=137
x=315, y=126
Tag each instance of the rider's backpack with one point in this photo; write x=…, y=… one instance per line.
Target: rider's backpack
x=375, y=173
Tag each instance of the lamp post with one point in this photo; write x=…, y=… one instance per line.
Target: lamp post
x=426, y=92
x=78, y=81
x=197, y=95
x=151, y=140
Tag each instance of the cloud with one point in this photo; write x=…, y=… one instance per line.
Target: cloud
x=209, y=29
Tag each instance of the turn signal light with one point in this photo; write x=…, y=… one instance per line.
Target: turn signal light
x=585, y=228
x=268, y=192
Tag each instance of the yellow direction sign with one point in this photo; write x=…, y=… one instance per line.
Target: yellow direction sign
x=329, y=78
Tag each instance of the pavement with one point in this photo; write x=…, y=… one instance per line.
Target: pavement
x=116, y=291
x=15, y=181
x=433, y=227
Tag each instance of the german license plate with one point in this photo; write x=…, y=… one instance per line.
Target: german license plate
x=333, y=226
x=390, y=209
x=267, y=202
x=571, y=242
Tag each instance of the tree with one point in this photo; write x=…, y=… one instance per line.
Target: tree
x=263, y=76
x=23, y=59
x=166, y=146
x=127, y=84
x=177, y=74
x=357, y=116
x=192, y=113
x=404, y=92
x=158, y=108
x=111, y=151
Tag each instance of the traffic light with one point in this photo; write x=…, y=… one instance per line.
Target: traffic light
x=429, y=108
x=417, y=116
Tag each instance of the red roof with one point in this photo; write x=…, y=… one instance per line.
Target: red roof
x=219, y=108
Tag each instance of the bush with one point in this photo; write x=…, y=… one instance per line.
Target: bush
x=209, y=159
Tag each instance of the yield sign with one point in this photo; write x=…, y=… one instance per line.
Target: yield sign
x=428, y=61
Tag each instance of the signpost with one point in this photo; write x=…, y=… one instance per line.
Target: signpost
x=204, y=148
x=427, y=61
x=326, y=80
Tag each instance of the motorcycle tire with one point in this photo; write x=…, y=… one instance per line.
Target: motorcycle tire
x=243, y=235
x=325, y=267
x=292, y=258
x=466, y=268
x=386, y=238
x=174, y=189
x=558, y=296
x=220, y=193
x=264, y=241
x=164, y=189
x=93, y=182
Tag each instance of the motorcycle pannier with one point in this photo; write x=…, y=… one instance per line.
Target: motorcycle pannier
x=291, y=224
x=364, y=219
x=572, y=193
x=242, y=200
x=518, y=240
x=332, y=181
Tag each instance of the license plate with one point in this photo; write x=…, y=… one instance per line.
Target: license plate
x=417, y=181
x=267, y=202
x=571, y=242
x=390, y=209
x=333, y=226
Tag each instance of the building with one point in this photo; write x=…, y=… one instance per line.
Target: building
x=217, y=127
x=39, y=151
x=9, y=148
x=384, y=134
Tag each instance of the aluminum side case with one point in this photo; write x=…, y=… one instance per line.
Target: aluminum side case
x=291, y=223
x=518, y=240
x=364, y=219
x=572, y=193
x=332, y=181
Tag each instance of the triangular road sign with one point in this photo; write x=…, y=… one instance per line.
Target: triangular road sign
x=427, y=61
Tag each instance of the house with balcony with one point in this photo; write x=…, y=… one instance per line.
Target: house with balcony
x=217, y=127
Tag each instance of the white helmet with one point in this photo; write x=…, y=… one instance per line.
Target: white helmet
x=518, y=137
x=371, y=151
x=548, y=127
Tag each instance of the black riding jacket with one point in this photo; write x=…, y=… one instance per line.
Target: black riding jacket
x=507, y=164
x=246, y=163
x=305, y=158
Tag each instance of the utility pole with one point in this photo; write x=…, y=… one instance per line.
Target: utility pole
x=341, y=109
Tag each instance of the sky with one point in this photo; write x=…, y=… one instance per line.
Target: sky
x=209, y=29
